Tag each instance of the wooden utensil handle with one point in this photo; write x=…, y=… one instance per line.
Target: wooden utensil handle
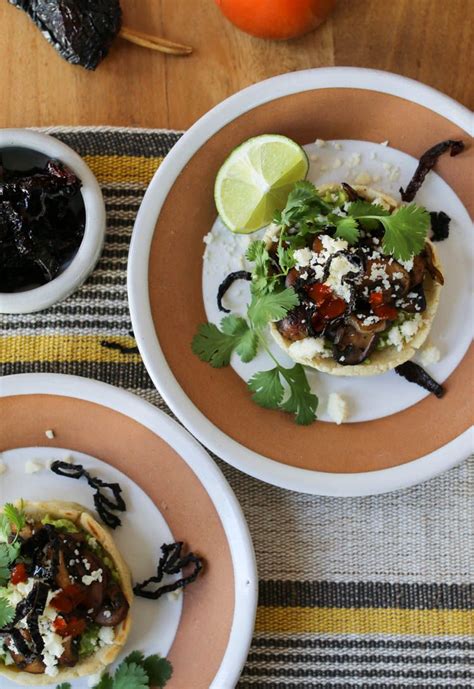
x=154, y=43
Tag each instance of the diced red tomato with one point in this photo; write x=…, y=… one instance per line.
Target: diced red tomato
x=19, y=574
x=319, y=293
x=332, y=309
x=73, y=627
x=68, y=599
x=385, y=312
x=376, y=298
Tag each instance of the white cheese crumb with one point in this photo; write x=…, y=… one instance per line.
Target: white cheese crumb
x=332, y=245
x=408, y=265
x=3, y=467
x=395, y=338
x=313, y=157
x=175, y=595
x=429, y=355
x=336, y=163
x=337, y=408
x=88, y=579
x=49, y=434
x=308, y=347
x=339, y=267
x=302, y=257
x=106, y=635
x=208, y=238
x=363, y=178
x=337, y=146
x=320, y=143
x=354, y=160
x=384, y=143
x=411, y=327
x=32, y=466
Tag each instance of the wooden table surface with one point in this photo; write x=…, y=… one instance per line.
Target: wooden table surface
x=429, y=40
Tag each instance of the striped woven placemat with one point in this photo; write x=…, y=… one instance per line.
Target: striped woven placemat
x=362, y=592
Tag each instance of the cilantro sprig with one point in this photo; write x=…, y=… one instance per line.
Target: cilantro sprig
x=11, y=518
x=280, y=388
x=135, y=672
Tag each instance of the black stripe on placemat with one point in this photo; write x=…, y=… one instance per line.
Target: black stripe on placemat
x=311, y=658
x=125, y=375
x=360, y=673
x=120, y=143
x=316, y=642
x=366, y=594
x=245, y=684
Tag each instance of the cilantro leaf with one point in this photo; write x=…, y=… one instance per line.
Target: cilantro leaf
x=5, y=528
x=358, y=209
x=267, y=388
x=346, y=228
x=247, y=344
x=303, y=206
x=64, y=685
x=15, y=516
x=5, y=562
x=301, y=402
x=271, y=307
x=257, y=252
x=216, y=346
x=130, y=676
x=286, y=259
x=159, y=670
x=406, y=231
x=7, y=612
x=106, y=682
x=135, y=657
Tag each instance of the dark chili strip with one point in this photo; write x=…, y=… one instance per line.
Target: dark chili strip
x=103, y=504
x=439, y=226
x=426, y=163
x=351, y=193
x=171, y=562
x=227, y=282
x=416, y=374
x=119, y=347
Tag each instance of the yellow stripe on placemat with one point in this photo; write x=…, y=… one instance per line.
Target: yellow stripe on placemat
x=126, y=169
x=64, y=348
x=274, y=620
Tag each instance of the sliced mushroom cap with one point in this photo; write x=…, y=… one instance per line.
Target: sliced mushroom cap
x=417, y=273
x=295, y=324
x=398, y=277
x=94, y=592
x=435, y=273
x=352, y=347
x=62, y=576
x=33, y=665
x=377, y=327
x=70, y=655
x=114, y=609
x=414, y=301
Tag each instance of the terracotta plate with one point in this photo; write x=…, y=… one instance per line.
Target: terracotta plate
x=165, y=286
x=196, y=505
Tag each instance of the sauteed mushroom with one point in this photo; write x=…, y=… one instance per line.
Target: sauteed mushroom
x=352, y=346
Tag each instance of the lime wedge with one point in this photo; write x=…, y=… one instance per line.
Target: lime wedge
x=256, y=179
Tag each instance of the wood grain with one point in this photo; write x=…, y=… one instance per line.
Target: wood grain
x=429, y=40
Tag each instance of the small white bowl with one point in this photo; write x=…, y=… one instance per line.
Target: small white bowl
x=81, y=265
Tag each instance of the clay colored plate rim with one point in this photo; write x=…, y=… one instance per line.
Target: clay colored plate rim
x=236, y=541
x=416, y=468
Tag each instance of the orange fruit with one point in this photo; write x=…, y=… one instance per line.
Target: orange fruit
x=276, y=19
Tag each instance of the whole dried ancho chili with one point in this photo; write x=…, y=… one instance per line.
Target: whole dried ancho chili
x=42, y=223
x=427, y=162
x=82, y=31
